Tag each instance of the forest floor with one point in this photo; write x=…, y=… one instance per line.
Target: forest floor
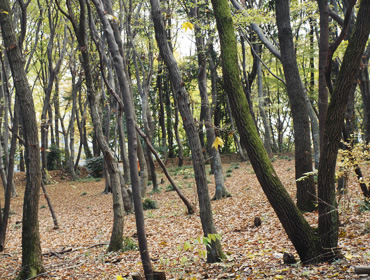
x=77, y=250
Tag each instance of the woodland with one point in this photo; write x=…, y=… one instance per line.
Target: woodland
x=184, y=139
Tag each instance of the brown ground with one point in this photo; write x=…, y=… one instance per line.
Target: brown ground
x=85, y=218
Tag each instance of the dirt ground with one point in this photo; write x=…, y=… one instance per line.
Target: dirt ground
x=77, y=250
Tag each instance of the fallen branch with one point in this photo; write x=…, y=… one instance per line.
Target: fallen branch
x=63, y=251
x=362, y=270
x=5, y=254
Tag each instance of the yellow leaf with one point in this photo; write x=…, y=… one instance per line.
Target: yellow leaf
x=279, y=277
x=119, y=277
x=218, y=142
x=348, y=256
x=4, y=12
x=187, y=25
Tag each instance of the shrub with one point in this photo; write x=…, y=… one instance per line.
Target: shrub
x=129, y=244
x=149, y=204
x=169, y=188
x=95, y=166
x=53, y=157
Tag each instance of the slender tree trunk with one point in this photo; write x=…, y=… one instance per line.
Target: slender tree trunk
x=180, y=153
x=306, y=192
x=31, y=248
x=118, y=63
x=365, y=92
x=143, y=169
x=123, y=150
x=4, y=217
x=161, y=113
x=323, y=56
x=215, y=158
x=261, y=105
x=214, y=250
x=80, y=29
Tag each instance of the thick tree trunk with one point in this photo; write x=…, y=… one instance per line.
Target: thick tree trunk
x=214, y=250
x=31, y=248
x=297, y=228
x=306, y=192
x=328, y=213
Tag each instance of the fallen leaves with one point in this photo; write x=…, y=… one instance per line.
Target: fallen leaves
x=175, y=239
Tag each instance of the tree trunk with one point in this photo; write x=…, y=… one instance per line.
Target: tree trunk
x=116, y=241
x=31, y=248
x=261, y=106
x=118, y=63
x=297, y=228
x=214, y=250
x=323, y=56
x=5, y=216
x=143, y=169
x=328, y=213
x=123, y=150
x=365, y=92
x=306, y=192
x=161, y=113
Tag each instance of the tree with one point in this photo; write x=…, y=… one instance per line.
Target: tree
x=213, y=152
x=118, y=63
x=80, y=29
x=299, y=104
x=328, y=213
x=214, y=250
x=308, y=245
x=31, y=248
x=306, y=193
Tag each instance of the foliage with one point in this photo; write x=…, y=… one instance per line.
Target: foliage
x=364, y=205
x=352, y=156
x=129, y=244
x=169, y=188
x=149, y=204
x=53, y=157
x=95, y=166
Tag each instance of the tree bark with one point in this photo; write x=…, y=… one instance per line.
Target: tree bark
x=213, y=152
x=328, y=212
x=365, y=92
x=118, y=64
x=214, y=250
x=323, y=55
x=31, y=248
x=297, y=228
x=306, y=192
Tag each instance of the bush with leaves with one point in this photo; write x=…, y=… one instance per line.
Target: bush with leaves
x=53, y=157
x=95, y=166
x=149, y=204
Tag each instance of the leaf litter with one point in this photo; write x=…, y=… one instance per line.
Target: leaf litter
x=77, y=250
